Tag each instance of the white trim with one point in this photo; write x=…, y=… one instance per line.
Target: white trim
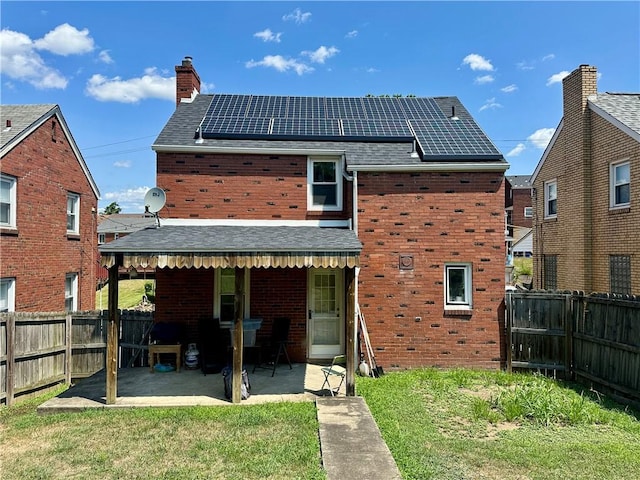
x=547, y=150
x=435, y=167
x=76, y=213
x=612, y=184
x=193, y=149
x=530, y=212
x=74, y=291
x=614, y=121
x=13, y=201
x=211, y=222
x=467, y=301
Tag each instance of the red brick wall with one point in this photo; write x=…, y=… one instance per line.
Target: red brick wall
x=437, y=218
x=39, y=253
x=521, y=199
x=224, y=186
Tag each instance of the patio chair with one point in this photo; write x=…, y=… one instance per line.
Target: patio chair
x=337, y=372
x=277, y=346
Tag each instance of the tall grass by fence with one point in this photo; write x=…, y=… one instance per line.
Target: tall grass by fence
x=594, y=339
x=38, y=350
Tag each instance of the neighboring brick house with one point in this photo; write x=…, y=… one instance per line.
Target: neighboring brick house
x=587, y=192
x=117, y=225
x=48, y=205
x=518, y=200
x=393, y=206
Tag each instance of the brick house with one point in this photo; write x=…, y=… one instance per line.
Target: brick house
x=586, y=220
x=48, y=205
x=518, y=200
x=393, y=207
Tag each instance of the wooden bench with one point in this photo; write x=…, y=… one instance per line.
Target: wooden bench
x=156, y=349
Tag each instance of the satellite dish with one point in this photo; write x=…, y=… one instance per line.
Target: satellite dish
x=154, y=200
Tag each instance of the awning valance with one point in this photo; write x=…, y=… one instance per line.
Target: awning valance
x=234, y=246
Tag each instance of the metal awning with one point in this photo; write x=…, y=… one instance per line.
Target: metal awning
x=180, y=246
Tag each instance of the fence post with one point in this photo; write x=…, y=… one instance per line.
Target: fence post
x=568, y=336
x=508, y=335
x=11, y=358
x=68, y=360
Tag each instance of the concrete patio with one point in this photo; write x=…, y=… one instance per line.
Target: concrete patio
x=138, y=387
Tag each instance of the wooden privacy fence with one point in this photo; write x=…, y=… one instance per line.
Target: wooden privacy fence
x=593, y=338
x=38, y=350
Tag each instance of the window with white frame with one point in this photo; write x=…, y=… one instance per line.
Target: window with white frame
x=7, y=201
x=550, y=198
x=620, y=183
x=528, y=212
x=225, y=293
x=324, y=177
x=73, y=213
x=457, y=285
x=7, y=295
x=116, y=236
x=71, y=292
x=101, y=238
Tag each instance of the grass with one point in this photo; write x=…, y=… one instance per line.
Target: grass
x=271, y=441
x=439, y=424
x=465, y=424
x=130, y=293
x=522, y=266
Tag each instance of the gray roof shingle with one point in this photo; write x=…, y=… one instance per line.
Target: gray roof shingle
x=21, y=117
x=625, y=107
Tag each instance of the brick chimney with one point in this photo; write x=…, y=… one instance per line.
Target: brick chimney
x=187, y=81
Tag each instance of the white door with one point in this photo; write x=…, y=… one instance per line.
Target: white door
x=326, y=318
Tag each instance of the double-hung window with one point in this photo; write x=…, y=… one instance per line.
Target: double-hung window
x=71, y=292
x=457, y=286
x=324, y=177
x=73, y=213
x=619, y=184
x=7, y=201
x=101, y=238
x=550, y=199
x=528, y=212
x=225, y=294
x=7, y=295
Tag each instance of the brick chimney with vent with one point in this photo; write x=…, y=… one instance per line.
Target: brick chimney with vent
x=187, y=81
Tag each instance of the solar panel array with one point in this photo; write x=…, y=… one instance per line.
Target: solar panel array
x=346, y=118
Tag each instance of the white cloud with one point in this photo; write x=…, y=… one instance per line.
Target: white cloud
x=523, y=65
x=297, y=16
x=122, y=164
x=551, y=56
x=281, y=64
x=517, y=150
x=150, y=85
x=66, y=40
x=20, y=61
x=557, y=78
x=541, y=137
x=207, y=87
x=130, y=200
x=321, y=54
x=267, y=35
x=509, y=88
x=372, y=70
x=352, y=34
x=490, y=104
x=477, y=62
x=484, y=79
x=105, y=57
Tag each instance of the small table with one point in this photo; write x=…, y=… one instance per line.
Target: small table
x=157, y=349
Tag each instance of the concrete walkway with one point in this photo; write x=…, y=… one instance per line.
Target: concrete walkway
x=351, y=444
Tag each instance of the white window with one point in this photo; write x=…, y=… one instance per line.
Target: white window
x=225, y=292
x=73, y=213
x=116, y=236
x=71, y=292
x=7, y=295
x=528, y=212
x=7, y=201
x=620, y=182
x=100, y=238
x=457, y=283
x=550, y=199
x=324, y=177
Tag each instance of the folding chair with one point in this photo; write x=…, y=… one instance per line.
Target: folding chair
x=337, y=370
x=277, y=346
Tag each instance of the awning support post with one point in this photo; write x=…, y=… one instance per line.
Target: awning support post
x=238, y=336
x=113, y=330
x=351, y=331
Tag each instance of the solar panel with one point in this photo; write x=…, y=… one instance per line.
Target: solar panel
x=445, y=137
x=305, y=127
x=418, y=107
x=262, y=106
x=382, y=128
x=306, y=107
x=383, y=107
x=229, y=105
x=343, y=107
x=229, y=127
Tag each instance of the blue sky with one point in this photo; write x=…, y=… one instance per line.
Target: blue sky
x=110, y=65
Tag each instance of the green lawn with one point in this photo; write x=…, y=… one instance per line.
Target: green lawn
x=439, y=424
x=130, y=294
